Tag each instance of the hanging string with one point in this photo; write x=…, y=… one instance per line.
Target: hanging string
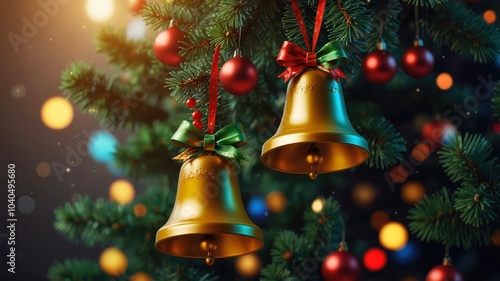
x=239, y=34
x=417, y=25
x=213, y=91
x=317, y=25
x=381, y=20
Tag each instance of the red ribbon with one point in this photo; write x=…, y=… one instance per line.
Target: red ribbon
x=213, y=89
x=295, y=58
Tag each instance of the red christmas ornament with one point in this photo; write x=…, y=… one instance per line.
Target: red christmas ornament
x=191, y=102
x=166, y=46
x=444, y=273
x=238, y=76
x=417, y=61
x=196, y=115
x=135, y=6
x=380, y=66
x=341, y=266
x=437, y=132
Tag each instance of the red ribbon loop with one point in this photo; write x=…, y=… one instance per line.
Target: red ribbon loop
x=213, y=89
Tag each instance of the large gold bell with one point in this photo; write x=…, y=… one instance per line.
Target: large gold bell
x=315, y=134
x=208, y=219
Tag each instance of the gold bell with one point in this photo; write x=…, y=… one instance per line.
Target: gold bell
x=208, y=219
x=315, y=135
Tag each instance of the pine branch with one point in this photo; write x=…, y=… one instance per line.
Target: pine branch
x=385, y=13
x=435, y=219
x=477, y=205
x=347, y=21
x=467, y=160
x=109, y=99
x=426, y=3
x=274, y=272
x=386, y=145
x=184, y=272
x=465, y=32
x=496, y=100
x=287, y=248
x=75, y=270
x=187, y=14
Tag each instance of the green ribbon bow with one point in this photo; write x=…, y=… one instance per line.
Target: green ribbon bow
x=224, y=142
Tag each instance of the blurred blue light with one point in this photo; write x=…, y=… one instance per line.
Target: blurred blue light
x=408, y=255
x=115, y=171
x=497, y=62
x=256, y=208
x=102, y=145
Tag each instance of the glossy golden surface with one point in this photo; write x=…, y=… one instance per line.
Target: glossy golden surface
x=208, y=202
x=314, y=113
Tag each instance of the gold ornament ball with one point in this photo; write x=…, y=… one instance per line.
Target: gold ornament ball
x=276, y=201
x=113, y=261
x=314, y=156
x=121, y=191
x=412, y=192
x=313, y=175
x=210, y=260
x=363, y=194
x=208, y=243
x=248, y=265
x=141, y=276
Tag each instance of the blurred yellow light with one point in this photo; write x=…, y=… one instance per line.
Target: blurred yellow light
x=489, y=16
x=378, y=219
x=140, y=210
x=363, y=194
x=43, y=169
x=412, y=192
x=141, y=276
x=444, y=81
x=113, y=261
x=121, y=191
x=317, y=205
x=276, y=201
x=495, y=237
x=248, y=265
x=393, y=236
x=57, y=113
x=100, y=10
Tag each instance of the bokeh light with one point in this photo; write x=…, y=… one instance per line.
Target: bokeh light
x=363, y=194
x=444, y=81
x=43, y=169
x=408, y=255
x=26, y=205
x=318, y=204
x=421, y=152
x=489, y=16
x=248, y=265
x=18, y=91
x=102, y=145
x=57, y=113
x=100, y=10
x=136, y=29
x=113, y=261
x=378, y=219
x=141, y=276
x=374, y=259
x=398, y=173
x=393, y=236
x=256, y=208
x=412, y=192
x=114, y=170
x=140, y=210
x=121, y=191
x=276, y=201
x=495, y=238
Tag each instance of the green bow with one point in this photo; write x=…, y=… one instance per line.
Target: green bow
x=224, y=142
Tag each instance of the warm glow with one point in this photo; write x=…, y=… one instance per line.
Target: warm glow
x=399, y=173
x=140, y=210
x=412, y=192
x=374, y=259
x=57, y=113
x=489, y=16
x=248, y=265
x=363, y=194
x=378, y=219
x=141, y=276
x=421, y=152
x=43, y=169
x=276, y=201
x=444, y=81
x=113, y=261
x=317, y=205
x=121, y=191
x=393, y=236
x=100, y=10
x=495, y=238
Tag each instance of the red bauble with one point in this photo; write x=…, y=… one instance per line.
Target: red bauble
x=191, y=102
x=238, y=76
x=196, y=115
x=135, y=6
x=166, y=46
x=436, y=132
x=379, y=67
x=417, y=61
x=341, y=266
x=444, y=273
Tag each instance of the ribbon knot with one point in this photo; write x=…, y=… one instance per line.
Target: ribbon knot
x=224, y=142
x=311, y=59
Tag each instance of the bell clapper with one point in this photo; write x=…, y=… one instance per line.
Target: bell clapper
x=208, y=243
x=314, y=157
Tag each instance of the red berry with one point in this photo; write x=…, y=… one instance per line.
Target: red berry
x=198, y=124
x=191, y=102
x=196, y=115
